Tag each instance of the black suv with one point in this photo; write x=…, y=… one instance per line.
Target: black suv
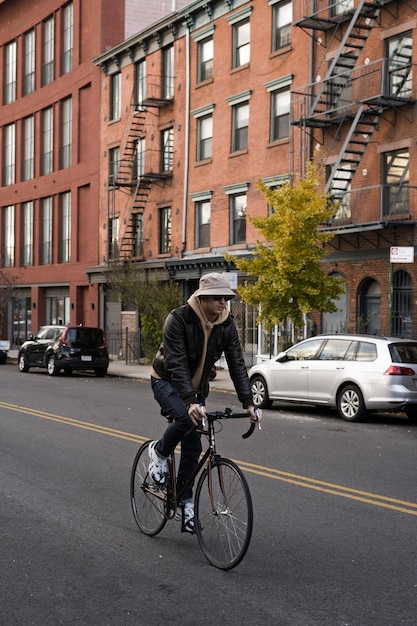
x=65, y=348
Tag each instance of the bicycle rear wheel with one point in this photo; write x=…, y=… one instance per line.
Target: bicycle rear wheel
x=148, y=499
x=223, y=514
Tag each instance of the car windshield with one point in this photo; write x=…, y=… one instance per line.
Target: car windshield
x=404, y=352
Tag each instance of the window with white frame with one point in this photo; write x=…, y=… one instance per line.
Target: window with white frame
x=168, y=72
x=204, y=137
x=281, y=25
x=29, y=62
x=9, y=94
x=237, y=211
x=8, y=236
x=65, y=227
x=202, y=223
x=140, y=82
x=27, y=233
x=28, y=160
x=240, y=126
x=139, y=166
x=341, y=6
x=165, y=230
x=241, y=43
x=66, y=133
x=46, y=230
x=137, y=235
x=395, y=183
x=48, y=57
x=114, y=162
x=167, y=149
x=67, y=38
x=115, y=96
x=47, y=156
x=113, y=238
x=399, y=70
x=9, y=154
x=205, y=55
x=280, y=114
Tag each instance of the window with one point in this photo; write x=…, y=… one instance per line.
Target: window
x=139, y=165
x=240, y=126
x=241, y=43
x=205, y=59
x=9, y=72
x=113, y=238
x=165, y=230
x=140, y=82
x=238, y=203
x=9, y=155
x=27, y=234
x=341, y=6
x=65, y=227
x=399, y=66
x=67, y=39
x=114, y=162
x=28, y=161
x=167, y=149
x=47, y=156
x=137, y=235
x=168, y=72
x=46, y=229
x=8, y=236
x=66, y=133
x=202, y=224
x=115, y=96
x=395, y=167
x=281, y=25
x=48, y=51
x=280, y=114
x=29, y=62
x=204, y=137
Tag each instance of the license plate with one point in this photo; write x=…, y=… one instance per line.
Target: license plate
x=85, y=357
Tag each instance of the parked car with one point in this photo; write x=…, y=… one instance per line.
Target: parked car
x=65, y=348
x=354, y=373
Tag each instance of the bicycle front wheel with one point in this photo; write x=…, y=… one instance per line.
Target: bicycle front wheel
x=223, y=514
x=148, y=499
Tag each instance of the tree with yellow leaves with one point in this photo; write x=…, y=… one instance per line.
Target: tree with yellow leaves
x=290, y=280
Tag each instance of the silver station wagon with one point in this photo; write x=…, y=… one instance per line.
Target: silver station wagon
x=355, y=374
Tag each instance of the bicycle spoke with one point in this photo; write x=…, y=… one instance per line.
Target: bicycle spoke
x=148, y=499
x=224, y=515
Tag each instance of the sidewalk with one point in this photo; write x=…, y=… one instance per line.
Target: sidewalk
x=222, y=382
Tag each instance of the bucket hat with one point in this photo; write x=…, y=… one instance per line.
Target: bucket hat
x=215, y=284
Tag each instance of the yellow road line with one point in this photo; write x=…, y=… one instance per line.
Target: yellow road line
x=387, y=502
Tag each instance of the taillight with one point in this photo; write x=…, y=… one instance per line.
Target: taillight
x=398, y=370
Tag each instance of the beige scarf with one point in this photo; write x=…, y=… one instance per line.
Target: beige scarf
x=207, y=327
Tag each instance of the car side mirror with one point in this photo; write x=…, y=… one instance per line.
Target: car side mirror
x=282, y=357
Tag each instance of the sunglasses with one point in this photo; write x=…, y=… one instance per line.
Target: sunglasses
x=218, y=298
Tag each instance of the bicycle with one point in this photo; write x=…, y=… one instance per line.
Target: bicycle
x=223, y=509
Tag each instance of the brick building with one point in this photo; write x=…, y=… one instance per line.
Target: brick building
x=49, y=154
x=222, y=94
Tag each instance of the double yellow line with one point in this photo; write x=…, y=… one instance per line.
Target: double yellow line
x=403, y=506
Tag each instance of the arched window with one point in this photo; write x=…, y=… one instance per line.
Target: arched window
x=369, y=307
x=337, y=322
x=402, y=299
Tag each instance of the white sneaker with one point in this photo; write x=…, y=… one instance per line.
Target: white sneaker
x=188, y=518
x=158, y=466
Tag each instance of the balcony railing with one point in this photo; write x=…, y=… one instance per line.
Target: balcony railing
x=375, y=206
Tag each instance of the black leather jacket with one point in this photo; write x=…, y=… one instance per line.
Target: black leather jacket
x=179, y=355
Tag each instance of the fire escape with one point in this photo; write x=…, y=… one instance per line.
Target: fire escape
x=347, y=104
x=138, y=169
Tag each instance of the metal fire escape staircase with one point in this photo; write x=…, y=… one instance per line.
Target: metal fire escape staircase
x=135, y=179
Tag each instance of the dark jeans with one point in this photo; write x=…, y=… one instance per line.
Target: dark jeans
x=171, y=404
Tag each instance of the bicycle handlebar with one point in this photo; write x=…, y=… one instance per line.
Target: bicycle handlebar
x=228, y=414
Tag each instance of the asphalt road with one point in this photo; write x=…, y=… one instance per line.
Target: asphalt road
x=334, y=539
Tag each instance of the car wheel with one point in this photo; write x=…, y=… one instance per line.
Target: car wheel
x=101, y=372
x=260, y=393
x=22, y=363
x=350, y=403
x=53, y=370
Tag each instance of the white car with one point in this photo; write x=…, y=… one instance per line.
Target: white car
x=353, y=373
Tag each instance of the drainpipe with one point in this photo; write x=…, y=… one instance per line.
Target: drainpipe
x=186, y=138
x=312, y=80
